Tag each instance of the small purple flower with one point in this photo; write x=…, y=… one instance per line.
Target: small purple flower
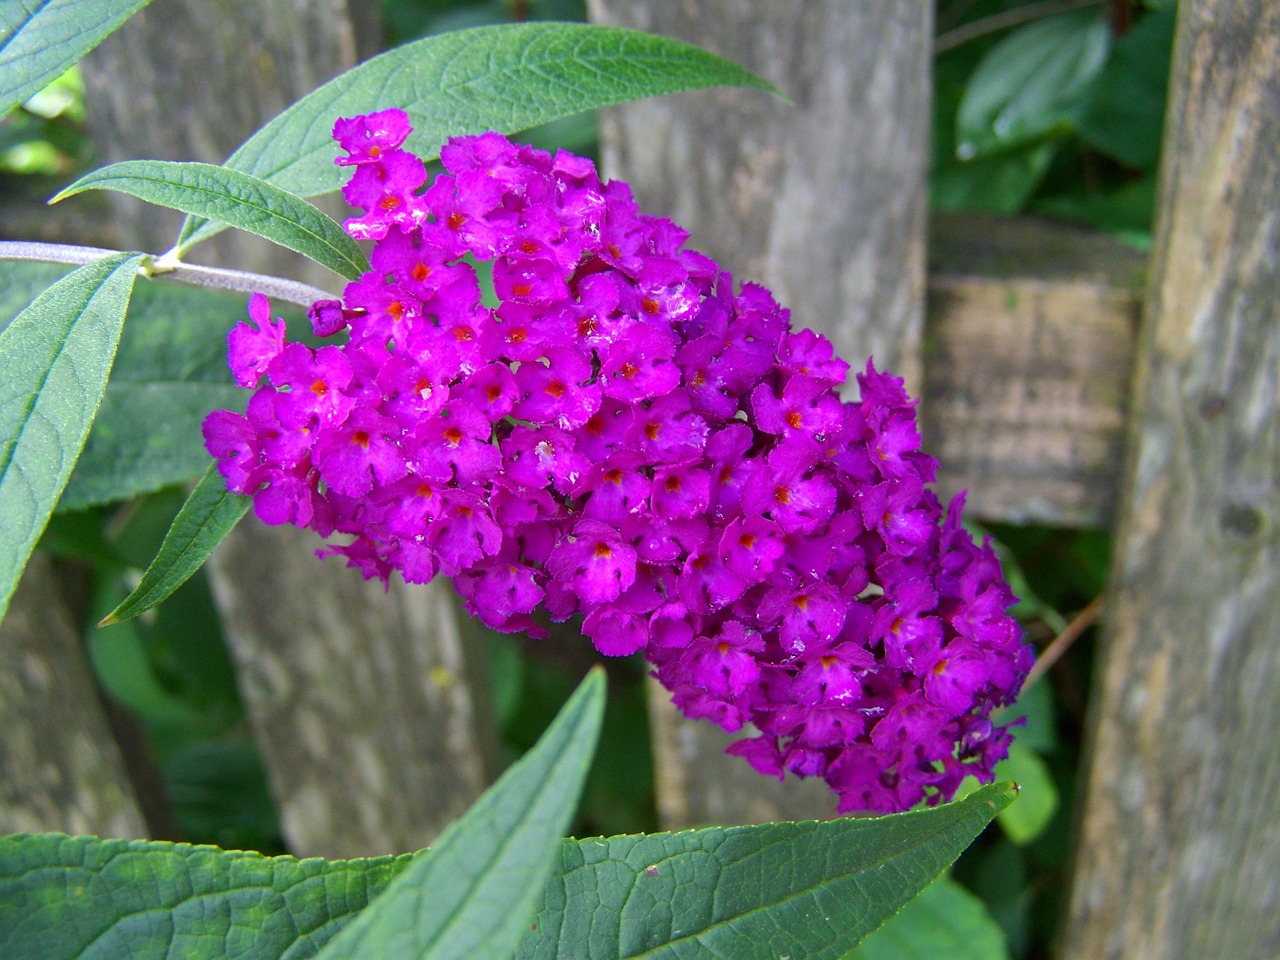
x=594, y=562
x=251, y=348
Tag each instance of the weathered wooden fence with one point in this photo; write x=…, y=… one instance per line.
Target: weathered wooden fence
x=1057, y=385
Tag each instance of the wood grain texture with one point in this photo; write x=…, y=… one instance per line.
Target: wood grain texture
x=823, y=201
x=370, y=710
x=1029, y=345
x=60, y=768
x=1179, y=853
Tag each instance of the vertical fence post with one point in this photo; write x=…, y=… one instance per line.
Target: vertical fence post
x=822, y=200
x=60, y=768
x=1179, y=852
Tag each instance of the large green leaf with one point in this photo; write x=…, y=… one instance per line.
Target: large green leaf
x=1030, y=84
x=208, y=515
x=56, y=356
x=470, y=894
x=507, y=78
x=946, y=920
x=75, y=898
x=39, y=39
x=234, y=198
x=789, y=886
x=812, y=889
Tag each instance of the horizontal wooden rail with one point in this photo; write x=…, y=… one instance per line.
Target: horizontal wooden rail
x=1028, y=357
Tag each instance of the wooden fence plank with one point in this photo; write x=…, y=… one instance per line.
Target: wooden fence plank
x=1179, y=853
x=1029, y=342
x=362, y=702
x=60, y=768
x=823, y=201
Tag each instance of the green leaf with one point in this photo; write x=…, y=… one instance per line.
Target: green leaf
x=1002, y=183
x=1029, y=85
x=123, y=668
x=812, y=890
x=614, y=897
x=1127, y=212
x=946, y=920
x=72, y=898
x=506, y=78
x=203, y=522
x=1125, y=114
x=40, y=39
x=999, y=875
x=1038, y=799
x=1036, y=704
x=56, y=355
x=23, y=281
x=132, y=450
x=233, y=198
x=471, y=893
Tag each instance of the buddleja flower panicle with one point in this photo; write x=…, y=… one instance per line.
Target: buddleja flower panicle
x=628, y=438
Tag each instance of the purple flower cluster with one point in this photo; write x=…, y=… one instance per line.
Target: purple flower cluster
x=627, y=438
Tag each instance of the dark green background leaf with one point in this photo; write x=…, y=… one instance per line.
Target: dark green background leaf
x=132, y=450
x=506, y=78
x=1001, y=183
x=1125, y=115
x=1025, y=820
x=39, y=39
x=236, y=199
x=1126, y=212
x=945, y=922
x=1029, y=85
x=210, y=904
x=56, y=356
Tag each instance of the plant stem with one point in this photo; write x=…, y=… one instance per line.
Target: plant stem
x=1063, y=641
x=1121, y=17
x=219, y=278
x=1009, y=18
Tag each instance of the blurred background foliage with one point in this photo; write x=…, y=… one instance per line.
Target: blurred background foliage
x=1052, y=107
